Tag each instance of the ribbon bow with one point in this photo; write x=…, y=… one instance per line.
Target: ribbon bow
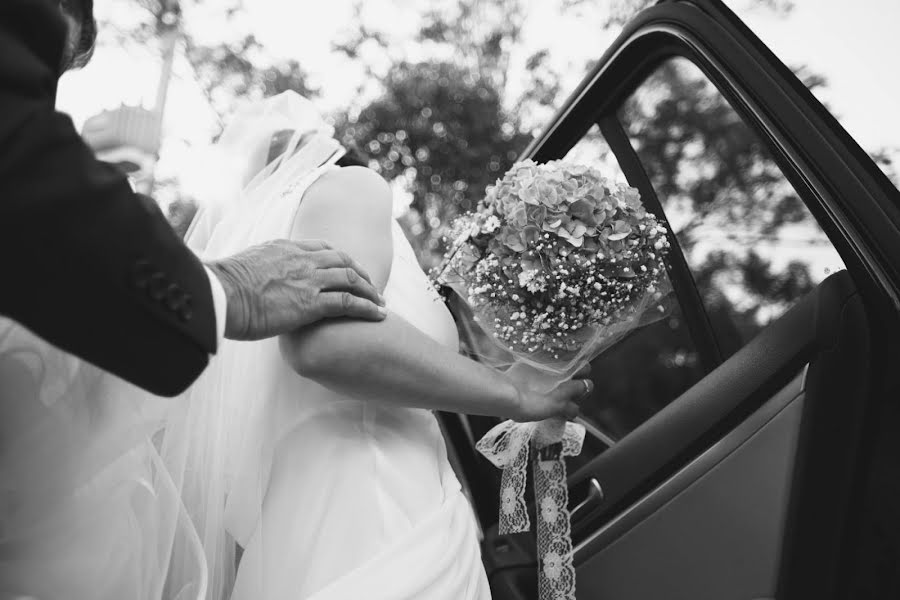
x=507, y=447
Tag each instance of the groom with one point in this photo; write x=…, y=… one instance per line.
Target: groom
x=95, y=269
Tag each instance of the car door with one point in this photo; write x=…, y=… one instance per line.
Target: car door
x=745, y=444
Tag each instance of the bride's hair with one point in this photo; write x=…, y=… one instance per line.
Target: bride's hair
x=352, y=158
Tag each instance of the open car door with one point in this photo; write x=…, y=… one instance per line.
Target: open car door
x=746, y=445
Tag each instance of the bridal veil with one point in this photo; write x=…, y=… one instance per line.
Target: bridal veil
x=223, y=424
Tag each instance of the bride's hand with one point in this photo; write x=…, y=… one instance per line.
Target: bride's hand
x=563, y=401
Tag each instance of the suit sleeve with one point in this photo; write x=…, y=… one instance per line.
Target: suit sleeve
x=84, y=262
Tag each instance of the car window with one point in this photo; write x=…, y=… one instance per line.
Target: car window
x=593, y=150
x=649, y=368
x=752, y=245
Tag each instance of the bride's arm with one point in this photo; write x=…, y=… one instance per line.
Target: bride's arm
x=391, y=361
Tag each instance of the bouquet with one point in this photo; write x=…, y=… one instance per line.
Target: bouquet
x=555, y=265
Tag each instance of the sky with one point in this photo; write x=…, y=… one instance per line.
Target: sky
x=855, y=49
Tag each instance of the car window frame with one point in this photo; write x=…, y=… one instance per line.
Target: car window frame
x=681, y=277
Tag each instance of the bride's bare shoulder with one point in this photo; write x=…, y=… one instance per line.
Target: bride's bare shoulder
x=350, y=208
x=351, y=188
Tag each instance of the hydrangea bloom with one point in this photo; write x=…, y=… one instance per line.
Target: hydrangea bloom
x=553, y=253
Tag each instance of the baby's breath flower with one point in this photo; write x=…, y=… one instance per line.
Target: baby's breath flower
x=491, y=224
x=555, y=250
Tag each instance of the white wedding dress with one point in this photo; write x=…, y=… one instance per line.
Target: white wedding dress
x=360, y=500
x=330, y=497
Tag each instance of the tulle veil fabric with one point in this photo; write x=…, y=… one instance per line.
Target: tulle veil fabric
x=88, y=511
x=223, y=424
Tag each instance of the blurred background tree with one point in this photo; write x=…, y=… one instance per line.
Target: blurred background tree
x=443, y=129
x=442, y=133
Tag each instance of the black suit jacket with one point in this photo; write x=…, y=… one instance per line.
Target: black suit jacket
x=86, y=263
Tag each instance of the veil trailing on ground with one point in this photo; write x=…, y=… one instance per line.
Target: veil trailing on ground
x=267, y=149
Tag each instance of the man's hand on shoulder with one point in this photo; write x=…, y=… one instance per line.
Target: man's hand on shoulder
x=280, y=286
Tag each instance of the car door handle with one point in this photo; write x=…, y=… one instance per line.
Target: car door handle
x=593, y=499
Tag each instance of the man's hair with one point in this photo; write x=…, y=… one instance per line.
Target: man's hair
x=83, y=12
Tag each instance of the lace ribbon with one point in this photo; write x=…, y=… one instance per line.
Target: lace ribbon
x=507, y=447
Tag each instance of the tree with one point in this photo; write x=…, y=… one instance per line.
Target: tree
x=712, y=172
x=443, y=127
x=441, y=130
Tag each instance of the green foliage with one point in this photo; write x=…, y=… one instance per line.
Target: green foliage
x=445, y=129
x=442, y=131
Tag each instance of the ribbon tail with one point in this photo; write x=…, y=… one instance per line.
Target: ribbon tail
x=507, y=447
x=513, y=510
x=556, y=570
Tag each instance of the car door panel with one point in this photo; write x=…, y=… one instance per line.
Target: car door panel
x=713, y=530
x=717, y=403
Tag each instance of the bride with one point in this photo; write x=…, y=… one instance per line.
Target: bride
x=315, y=458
